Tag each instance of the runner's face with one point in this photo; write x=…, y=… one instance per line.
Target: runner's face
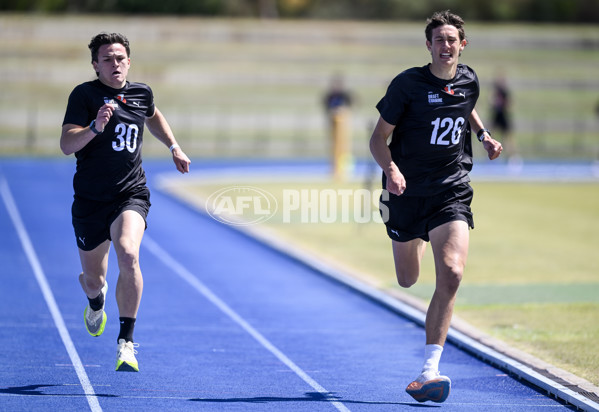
x=112, y=65
x=446, y=46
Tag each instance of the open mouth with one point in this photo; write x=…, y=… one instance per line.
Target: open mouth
x=445, y=55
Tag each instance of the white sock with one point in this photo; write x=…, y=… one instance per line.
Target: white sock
x=432, y=356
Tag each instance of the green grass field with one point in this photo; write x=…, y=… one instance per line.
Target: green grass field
x=532, y=278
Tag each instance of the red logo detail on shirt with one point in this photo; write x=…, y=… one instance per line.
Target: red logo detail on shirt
x=449, y=89
x=121, y=97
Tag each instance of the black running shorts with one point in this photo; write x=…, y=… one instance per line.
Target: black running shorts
x=92, y=219
x=413, y=217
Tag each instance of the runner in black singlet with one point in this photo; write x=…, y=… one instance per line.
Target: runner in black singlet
x=103, y=126
x=428, y=112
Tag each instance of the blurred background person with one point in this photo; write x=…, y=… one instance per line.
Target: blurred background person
x=337, y=103
x=501, y=101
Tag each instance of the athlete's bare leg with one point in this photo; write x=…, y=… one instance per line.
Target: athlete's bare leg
x=450, y=248
x=94, y=264
x=127, y=232
x=407, y=257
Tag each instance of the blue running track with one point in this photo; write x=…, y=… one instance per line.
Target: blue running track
x=226, y=323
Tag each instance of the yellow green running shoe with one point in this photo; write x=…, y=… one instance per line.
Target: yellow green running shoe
x=125, y=357
x=95, y=320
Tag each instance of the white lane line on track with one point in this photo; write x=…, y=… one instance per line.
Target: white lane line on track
x=182, y=272
x=15, y=216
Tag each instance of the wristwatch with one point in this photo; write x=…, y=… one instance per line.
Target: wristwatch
x=481, y=134
x=92, y=127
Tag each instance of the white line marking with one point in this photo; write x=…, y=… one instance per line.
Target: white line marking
x=169, y=261
x=13, y=212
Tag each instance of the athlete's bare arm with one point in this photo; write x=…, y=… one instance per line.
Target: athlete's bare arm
x=396, y=183
x=492, y=146
x=74, y=137
x=159, y=127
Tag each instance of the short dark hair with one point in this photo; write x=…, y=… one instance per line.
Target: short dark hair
x=442, y=18
x=107, y=38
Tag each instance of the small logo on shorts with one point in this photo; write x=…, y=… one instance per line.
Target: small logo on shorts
x=82, y=240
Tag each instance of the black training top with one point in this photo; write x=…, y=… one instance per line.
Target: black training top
x=110, y=164
x=431, y=142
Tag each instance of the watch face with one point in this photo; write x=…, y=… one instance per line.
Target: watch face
x=481, y=134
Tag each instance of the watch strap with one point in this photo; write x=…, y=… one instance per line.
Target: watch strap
x=92, y=127
x=481, y=134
